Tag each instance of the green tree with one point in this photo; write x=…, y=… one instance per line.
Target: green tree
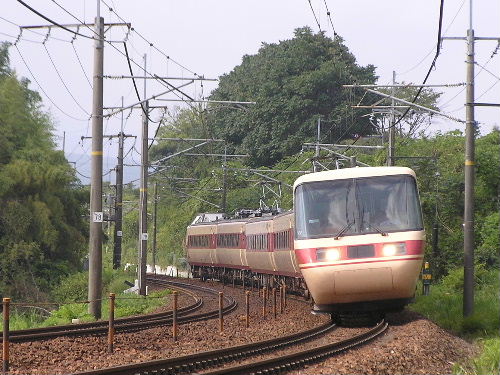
x=292, y=82
x=42, y=232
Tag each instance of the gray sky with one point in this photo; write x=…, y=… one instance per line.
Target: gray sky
x=210, y=37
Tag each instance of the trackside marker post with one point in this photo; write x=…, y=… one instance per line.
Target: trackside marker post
x=5, y=342
x=247, y=308
x=111, y=327
x=221, y=317
x=274, y=303
x=264, y=301
x=174, y=316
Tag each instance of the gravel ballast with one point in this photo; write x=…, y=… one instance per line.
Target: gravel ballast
x=412, y=344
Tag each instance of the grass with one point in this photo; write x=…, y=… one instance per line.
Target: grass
x=444, y=306
x=125, y=305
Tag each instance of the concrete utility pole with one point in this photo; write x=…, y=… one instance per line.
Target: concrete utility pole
x=392, y=130
x=155, y=215
x=96, y=214
x=143, y=210
x=224, y=181
x=469, y=178
x=316, y=151
x=118, y=234
x=469, y=168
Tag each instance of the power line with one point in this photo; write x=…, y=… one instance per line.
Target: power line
x=51, y=21
x=427, y=55
x=81, y=65
x=41, y=88
x=314, y=14
x=330, y=18
x=62, y=80
x=150, y=43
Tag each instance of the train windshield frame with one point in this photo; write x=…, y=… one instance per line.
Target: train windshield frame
x=357, y=206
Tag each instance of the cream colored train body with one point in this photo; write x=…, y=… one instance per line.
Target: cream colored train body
x=359, y=237
x=355, y=237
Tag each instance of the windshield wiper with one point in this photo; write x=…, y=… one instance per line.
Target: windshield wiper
x=343, y=230
x=377, y=229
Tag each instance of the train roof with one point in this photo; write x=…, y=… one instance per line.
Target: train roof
x=242, y=220
x=357, y=172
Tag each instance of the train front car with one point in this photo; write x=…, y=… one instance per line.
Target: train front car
x=359, y=238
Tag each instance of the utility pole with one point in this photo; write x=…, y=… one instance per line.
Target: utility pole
x=318, y=140
x=118, y=234
x=155, y=215
x=224, y=181
x=469, y=178
x=469, y=168
x=96, y=214
x=143, y=210
x=392, y=131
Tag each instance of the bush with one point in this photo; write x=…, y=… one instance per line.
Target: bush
x=488, y=362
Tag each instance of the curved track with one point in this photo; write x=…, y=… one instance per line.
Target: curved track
x=133, y=323
x=217, y=358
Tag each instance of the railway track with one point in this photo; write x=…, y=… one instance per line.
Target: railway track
x=203, y=361
x=133, y=323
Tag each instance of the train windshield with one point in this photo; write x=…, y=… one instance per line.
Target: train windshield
x=338, y=208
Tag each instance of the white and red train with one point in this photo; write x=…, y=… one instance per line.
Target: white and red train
x=354, y=241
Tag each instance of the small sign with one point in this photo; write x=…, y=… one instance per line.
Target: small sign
x=119, y=233
x=98, y=217
x=144, y=237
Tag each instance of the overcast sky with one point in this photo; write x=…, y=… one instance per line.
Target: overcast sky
x=210, y=37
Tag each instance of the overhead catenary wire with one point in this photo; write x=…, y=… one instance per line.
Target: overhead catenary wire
x=43, y=90
x=330, y=18
x=62, y=80
x=112, y=9
x=52, y=21
x=314, y=14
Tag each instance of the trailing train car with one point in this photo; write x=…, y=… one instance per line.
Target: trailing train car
x=354, y=242
x=359, y=238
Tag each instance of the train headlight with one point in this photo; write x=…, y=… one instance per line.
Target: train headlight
x=391, y=249
x=328, y=255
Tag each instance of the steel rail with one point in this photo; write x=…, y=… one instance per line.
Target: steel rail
x=198, y=361
x=297, y=360
x=128, y=324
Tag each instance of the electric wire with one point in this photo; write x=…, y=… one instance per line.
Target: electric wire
x=81, y=65
x=433, y=64
x=41, y=88
x=150, y=43
x=434, y=48
x=52, y=21
x=330, y=18
x=62, y=80
x=22, y=39
x=31, y=31
x=314, y=14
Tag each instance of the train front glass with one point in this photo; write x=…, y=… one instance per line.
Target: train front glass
x=336, y=208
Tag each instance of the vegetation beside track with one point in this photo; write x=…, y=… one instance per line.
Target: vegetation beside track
x=444, y=306
x=73, y=290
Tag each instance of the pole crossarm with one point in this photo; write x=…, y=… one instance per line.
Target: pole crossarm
x=121, y=109
x=129, y=25
x=207, y=101
x=180, y=152
x=202, y=78
x=342, y=146
x=414, y=105
x=402, y=85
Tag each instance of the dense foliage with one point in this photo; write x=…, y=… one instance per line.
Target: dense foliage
x=41, y=218
x=292, y=82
